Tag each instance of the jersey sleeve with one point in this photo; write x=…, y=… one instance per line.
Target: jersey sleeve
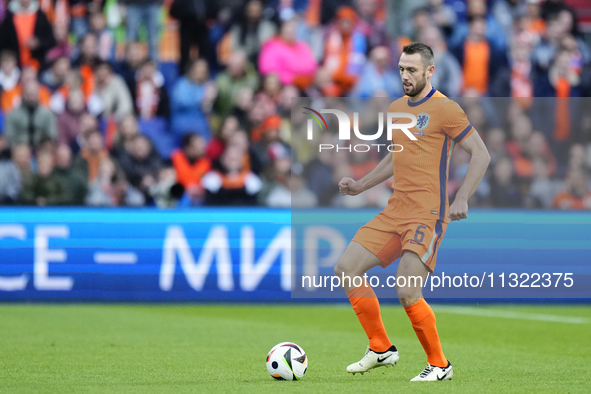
x=455, y=122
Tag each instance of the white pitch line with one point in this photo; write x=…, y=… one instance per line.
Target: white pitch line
x=505, y=314
x=115, y=258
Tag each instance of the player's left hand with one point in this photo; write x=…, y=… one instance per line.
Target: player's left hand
x=458, y=210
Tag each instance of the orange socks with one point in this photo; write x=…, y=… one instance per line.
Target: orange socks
x=423, y=321
x=366, y=306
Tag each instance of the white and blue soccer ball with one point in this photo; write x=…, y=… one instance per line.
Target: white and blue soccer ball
x=287, y=361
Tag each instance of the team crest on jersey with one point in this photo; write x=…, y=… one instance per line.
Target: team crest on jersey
x=423, y=120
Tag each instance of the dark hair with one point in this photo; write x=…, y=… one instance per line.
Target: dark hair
x=474, y=18
x=7, y=54
x=243, y=24
x=104, y=63
x=424, y=50
x=191, y=63
x=188, y=139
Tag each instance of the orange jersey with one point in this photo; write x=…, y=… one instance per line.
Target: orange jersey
x=421, y=168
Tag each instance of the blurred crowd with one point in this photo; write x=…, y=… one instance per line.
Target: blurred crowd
x=188, y=102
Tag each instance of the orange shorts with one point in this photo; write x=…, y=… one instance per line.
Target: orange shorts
x=387, y=238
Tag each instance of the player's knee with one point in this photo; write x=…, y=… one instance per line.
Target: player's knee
x=343, y=267
x=408, y=293
x=408, y=301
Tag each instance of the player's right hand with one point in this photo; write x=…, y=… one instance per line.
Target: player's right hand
x=349, y=187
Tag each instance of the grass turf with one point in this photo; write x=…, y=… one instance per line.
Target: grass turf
x=213, y=348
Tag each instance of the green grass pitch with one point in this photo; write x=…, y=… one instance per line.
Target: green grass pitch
x=222, y=348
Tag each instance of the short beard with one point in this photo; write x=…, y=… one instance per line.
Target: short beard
x=419, y=87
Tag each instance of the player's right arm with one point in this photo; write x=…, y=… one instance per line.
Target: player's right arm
x=382, y=172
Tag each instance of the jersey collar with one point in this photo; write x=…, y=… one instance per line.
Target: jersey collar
x=421, y=101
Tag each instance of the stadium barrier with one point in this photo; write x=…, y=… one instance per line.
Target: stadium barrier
x=71, y=254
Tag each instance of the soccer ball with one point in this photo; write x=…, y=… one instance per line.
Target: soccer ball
x=287, y=361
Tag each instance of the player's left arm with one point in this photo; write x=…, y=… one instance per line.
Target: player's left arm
x=474, y=145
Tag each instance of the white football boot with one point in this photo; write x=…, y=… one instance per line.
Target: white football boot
x=433, y=374
x=373, y=360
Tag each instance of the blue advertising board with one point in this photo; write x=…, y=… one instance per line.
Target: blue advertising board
x=241, y=254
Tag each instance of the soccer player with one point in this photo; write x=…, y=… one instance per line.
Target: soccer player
x=413, y=224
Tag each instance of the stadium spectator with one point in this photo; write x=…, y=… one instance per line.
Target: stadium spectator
x=72, y=178
x=112, y=90
x=442, y=15
x=435, y=13
x=495, y=143
x=30, y=122
x=149, y=94
x=9, y=71
x=520, y=84
x=323, y=85
x=238, y=74
x=301, y=196
x=104, y=37
x=68, y=122
x=504, y=193
x=141, y=163
x=493, y=31
x=55, y=76
x=10, y=178
x=268, y=97
x=45, y=187
x=249, y=34
x=99, y=190
x=345, y=49
x=192, y=98
x=543, y=187
x=506, y=12
x=190, y=162
x=240, y=139
x=318, y=170
x=124, y=194
x=291, y=59
x=92, y=154
x=192, y=16
x=128, y=129
x=146, y=12
x=577, y=194
x=448, y=78
x=111, y=189
x=267, y=134
x=216, y=146
x=12, y=99
x=22, y=158
x=577, y=157
x=371, y=22
x=133, y=59
x=245, y=103
x=276, y=189
x=229, y=183
x=79, y=10
x=480, y=59
x=411, y=28
x=543, y=53
x=377, y=79
x=561, y=80
x=86, y=61
x=26, y=30
x=163, y=190
x=534, y=23
x=62, y=48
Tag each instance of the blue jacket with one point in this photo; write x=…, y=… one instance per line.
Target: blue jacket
x=187, y=115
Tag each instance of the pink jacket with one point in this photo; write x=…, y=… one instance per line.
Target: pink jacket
x=287, y=60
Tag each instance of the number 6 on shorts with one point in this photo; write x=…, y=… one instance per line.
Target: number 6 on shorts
x=419, y=235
